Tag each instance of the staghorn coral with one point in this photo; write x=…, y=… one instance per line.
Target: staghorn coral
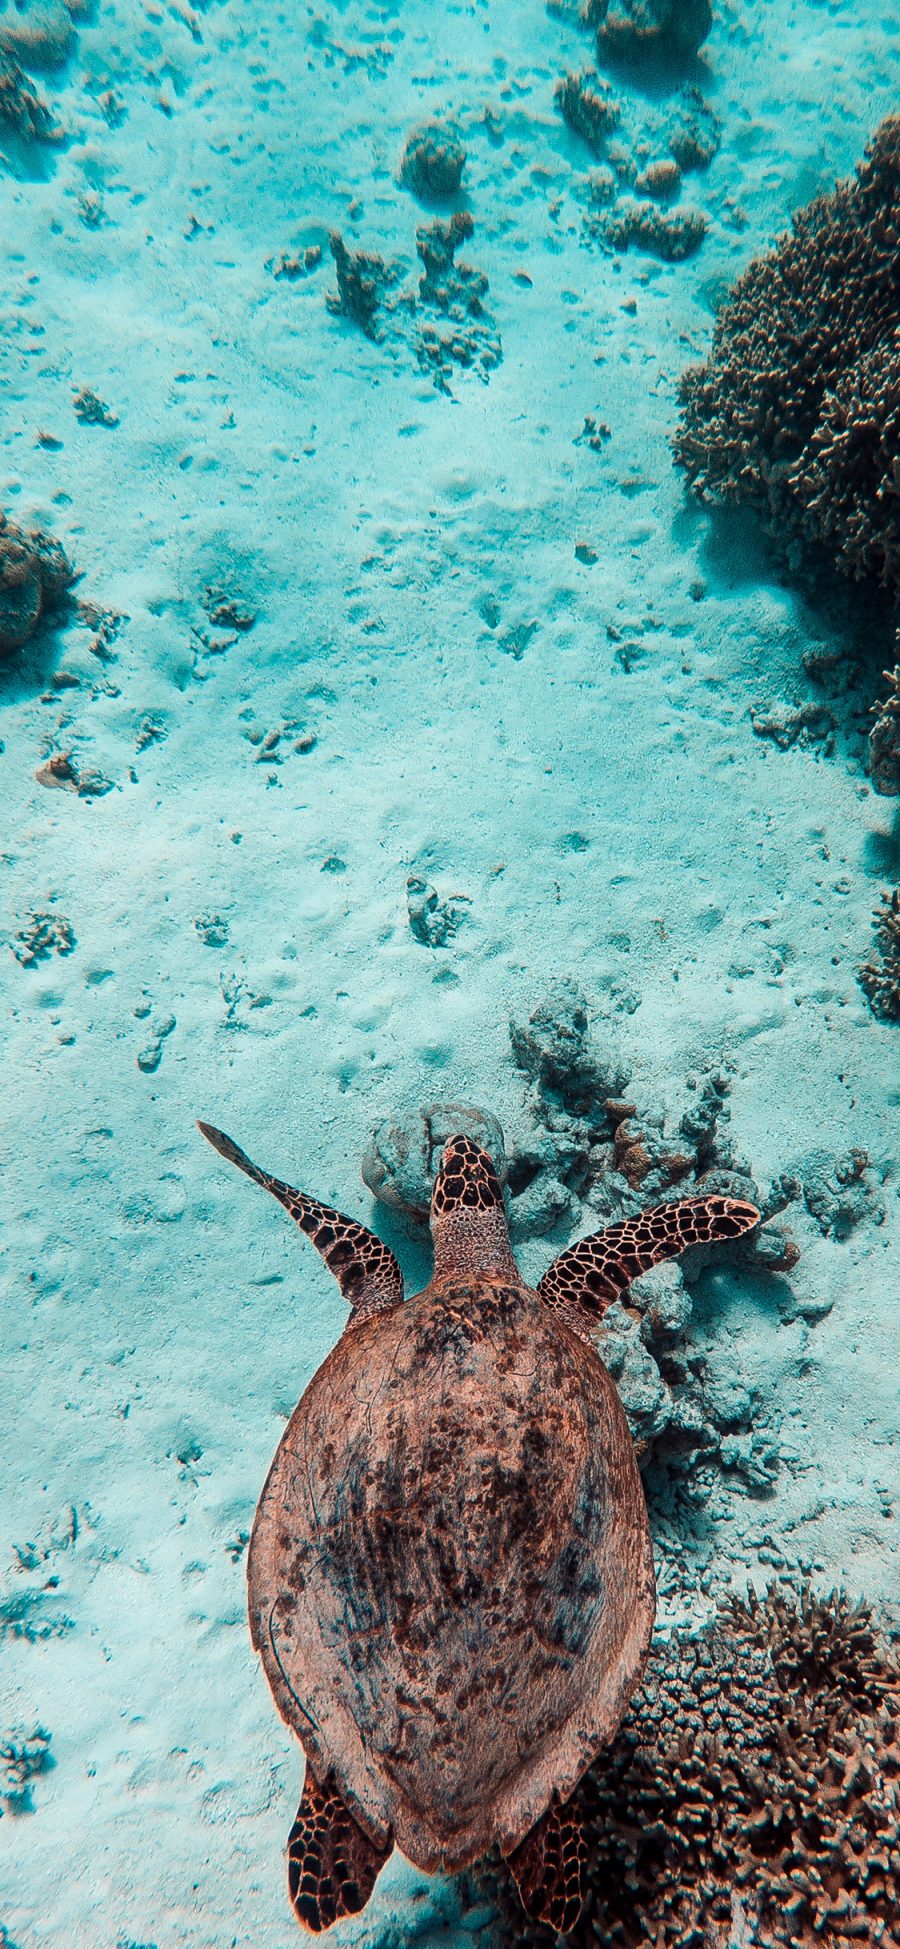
x=880, y=976
x=659, y=30
x=796, y=413
x=752, y=1794
x=35, y=577
x=884, y=738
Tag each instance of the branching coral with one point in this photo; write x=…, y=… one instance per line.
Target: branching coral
x=35, y=576
x=880, y=976
x=884, y=737
x=753, y=1792
x=797, y=411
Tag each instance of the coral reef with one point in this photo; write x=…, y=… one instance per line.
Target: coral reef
x=452, y=292
x=672, y=235
x=456, y=292
x=403, y=1155
x=23, y=1755
x=22, y=112
x=363, y=278
x=884, y=738
x=751, y=1795
x=880, y=975
x=35, y=577
x=659, y=30
x=796, y=413
x=588, y=107
x=433, y=161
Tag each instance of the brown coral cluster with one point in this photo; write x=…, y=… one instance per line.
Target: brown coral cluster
x=880, y=975
x=797, y=411
x=34, y=578
x=753, y=1793
x=884, y=737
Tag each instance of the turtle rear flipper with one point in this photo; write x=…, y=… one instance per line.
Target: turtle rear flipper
x=332, y=1864
x=548, y=1868
x=364, y=1267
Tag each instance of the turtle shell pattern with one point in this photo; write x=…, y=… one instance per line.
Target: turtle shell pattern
x=450, y=1573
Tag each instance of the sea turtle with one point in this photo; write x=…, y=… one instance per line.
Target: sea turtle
x=450, y=1573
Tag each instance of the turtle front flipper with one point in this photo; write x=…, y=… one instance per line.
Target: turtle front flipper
x=365, y=1269
x=332, y=1864
x=593, y=1273
x=548, y=1868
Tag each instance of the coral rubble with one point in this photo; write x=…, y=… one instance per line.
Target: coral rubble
x=880, y=975
x=35, y=577
x=751, y=1796
x=796, y=413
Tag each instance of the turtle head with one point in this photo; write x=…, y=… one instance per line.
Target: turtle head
x=468, y=1220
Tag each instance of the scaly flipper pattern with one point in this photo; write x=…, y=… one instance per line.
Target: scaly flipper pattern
x=548, y=1868
x=595, y=1271
x=365, y=1269
x=332, y=1864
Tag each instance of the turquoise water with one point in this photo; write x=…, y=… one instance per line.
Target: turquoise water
x=359, y=607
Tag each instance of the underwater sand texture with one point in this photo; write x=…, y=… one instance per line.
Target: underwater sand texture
x=516, y=666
